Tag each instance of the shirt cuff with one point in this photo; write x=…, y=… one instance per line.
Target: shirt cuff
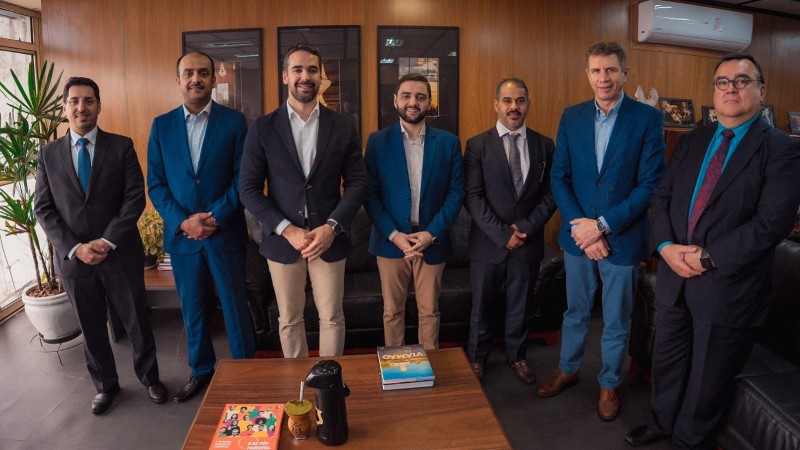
x=393, y=234
x=282, y=226
x=664, y=244
x=605, y=224
x=113, y=247
x=71, y=254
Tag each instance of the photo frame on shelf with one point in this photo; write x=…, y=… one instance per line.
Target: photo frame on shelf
x=340, y=47
x=794, y=122
x=768, y=114
x=431, y=51
x=678, y=112
x=237, y=55
x=709, y=115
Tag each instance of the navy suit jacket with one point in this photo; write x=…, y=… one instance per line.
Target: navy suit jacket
x=270, y=157
x=752, y=208
x=177, y=191
x=492, y=200
x=109, y=210
x=620, y=191
x=388, y=201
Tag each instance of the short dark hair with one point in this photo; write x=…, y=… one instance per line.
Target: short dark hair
x=514, y=81
x=739, y=56
x=414, y=77
x=81, y=81
x=604, y=48
x=301, y=47
x=178, y=62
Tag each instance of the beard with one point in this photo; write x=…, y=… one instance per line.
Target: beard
x=412, y=120
x=305, y=98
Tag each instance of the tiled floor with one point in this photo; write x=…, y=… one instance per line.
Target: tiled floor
x=47, y=406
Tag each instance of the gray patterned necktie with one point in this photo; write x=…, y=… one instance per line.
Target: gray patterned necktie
x=514, y=162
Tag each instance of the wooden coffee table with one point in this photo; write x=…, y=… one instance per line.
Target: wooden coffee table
x=452, y=414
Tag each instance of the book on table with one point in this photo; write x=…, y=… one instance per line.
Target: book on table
x=249, y=426
x=405, y=367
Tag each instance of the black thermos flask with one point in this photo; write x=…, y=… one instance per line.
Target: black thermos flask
x=326, y=378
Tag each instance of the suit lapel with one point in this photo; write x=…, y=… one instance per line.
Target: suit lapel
x=397, y=158
x=323, y=134
x=285, y=132
x=65, y=154
x=213, y=125
x=585, y=135
x=741, y=157
x=689, y=171
x=621, y=126
x=100, y=152
x=429, y=155
x=533, y=158
x=184, y=154
x=497, y=154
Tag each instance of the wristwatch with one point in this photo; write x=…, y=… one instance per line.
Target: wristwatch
x=337, y=229
x=705, y=260
x=600, y=227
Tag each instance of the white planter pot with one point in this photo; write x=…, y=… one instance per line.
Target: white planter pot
x=53, y=317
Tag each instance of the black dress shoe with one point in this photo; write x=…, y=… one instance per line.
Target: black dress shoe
x=102, y=401
x=192, y=388
x=642, y=435
x=157, y=392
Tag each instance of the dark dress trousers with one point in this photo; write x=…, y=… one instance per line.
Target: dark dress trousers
x=494, y=205
x=109, y=210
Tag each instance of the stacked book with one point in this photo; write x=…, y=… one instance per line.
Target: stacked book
x=404, y=367
x=166, y=263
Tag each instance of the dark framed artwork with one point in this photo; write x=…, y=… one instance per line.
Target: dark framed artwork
x=709, y=114
x=768, y=114
x=237, y=66
x=794, y=122
x=678, y=112
x=340, y=48
x=431, y=51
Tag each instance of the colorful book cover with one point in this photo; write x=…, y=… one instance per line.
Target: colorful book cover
x=405, y=364
x=251, y=427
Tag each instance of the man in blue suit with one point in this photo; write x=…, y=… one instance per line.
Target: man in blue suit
x=193, y=160
x=412, y=210
x=609, y=158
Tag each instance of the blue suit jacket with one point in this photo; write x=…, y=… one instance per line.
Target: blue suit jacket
x=178, y=192
x=620, y=191
x=388, y=201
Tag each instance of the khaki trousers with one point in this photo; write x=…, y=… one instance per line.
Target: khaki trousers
x=395, y=274
x=327, y=282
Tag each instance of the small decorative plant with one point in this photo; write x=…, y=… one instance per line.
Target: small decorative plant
x=151, y=229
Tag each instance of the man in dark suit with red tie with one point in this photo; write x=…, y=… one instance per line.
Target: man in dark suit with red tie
x=507, y=178
x=89, y=195
x=728, y=198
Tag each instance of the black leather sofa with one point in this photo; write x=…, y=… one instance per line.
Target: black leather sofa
x=363, y=303
x=765, y=413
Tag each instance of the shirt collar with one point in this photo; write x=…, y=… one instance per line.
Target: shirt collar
x=502, y=130
x=614, y=109
x=739, y=131
x=293, y=113
x=421, y=133
x=90, y=136
x=207, y=110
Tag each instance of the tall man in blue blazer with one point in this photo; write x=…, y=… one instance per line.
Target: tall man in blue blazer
x=193, y=160
x=508, y=196
x=412, y=210
x=729, y=196
x=609, y=158
x=310, y=159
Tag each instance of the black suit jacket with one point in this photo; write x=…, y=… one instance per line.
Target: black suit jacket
x=109, y=210
x=270, y=156
x=751, y=209
x=492, y=200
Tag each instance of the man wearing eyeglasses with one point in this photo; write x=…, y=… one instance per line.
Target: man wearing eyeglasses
x=729, y=196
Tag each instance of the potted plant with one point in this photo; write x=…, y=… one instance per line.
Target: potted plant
x=37, y=112
x=151, y=229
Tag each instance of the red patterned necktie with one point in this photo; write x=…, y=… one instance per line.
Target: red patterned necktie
x=709, y=182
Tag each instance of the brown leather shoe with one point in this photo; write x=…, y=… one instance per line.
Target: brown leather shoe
x=556, y=383
x=477, y=369
x=523, y=371
x=608, y=406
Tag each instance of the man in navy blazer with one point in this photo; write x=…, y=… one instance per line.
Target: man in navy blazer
x=729, y=196
x=609, y=158
x=310, y=159
x=508, y=196
x=193, y=160
x=414, y=194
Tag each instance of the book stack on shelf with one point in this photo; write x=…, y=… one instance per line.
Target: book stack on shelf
x=166, y=263
x=405, y=367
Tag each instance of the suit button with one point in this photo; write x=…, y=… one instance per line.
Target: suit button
x=308, y=186
x=196, y=181
x=301, y=213
x=592, y=208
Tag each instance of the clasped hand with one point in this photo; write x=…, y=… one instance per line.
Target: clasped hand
x=517, y=239
x=93, y=252
x=311, y=244
x=199, y=226
x=412, y=245
x=683, y=259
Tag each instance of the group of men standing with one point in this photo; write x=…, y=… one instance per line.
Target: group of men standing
x=726, y=200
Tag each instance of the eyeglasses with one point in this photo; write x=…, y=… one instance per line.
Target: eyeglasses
x=739, y=83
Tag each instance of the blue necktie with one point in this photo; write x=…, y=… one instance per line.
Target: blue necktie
x=84, y=165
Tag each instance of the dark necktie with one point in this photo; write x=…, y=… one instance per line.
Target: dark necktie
x=709, y=182
x=84, y=165
x=514, y=162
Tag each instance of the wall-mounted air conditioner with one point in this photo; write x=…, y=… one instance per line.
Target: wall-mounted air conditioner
x=696, y=26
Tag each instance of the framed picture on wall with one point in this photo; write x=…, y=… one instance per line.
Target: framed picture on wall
x=430, y=51
x=237, y=66
x=709, y=115
x=768, y=114
x=340, y=48
x=794, y=122
x=678, y=112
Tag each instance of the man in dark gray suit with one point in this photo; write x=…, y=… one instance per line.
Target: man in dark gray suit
x=507, y=176
x=89, y=195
